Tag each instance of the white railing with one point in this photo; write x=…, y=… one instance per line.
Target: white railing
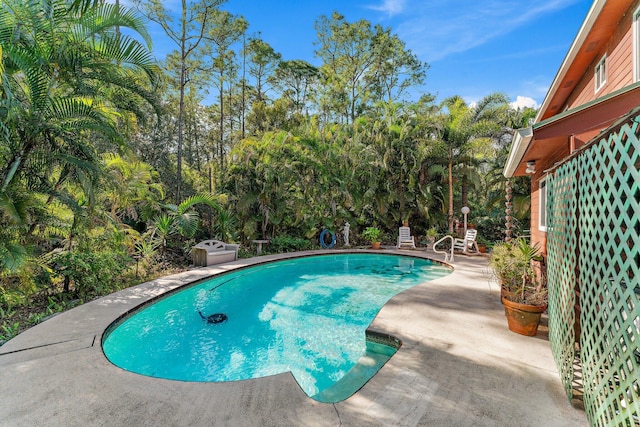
x=448, y=257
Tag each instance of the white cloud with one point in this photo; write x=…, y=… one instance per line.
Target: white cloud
x=439, y=28
x=390, y=7
x=472, y=102
x=536, y=86
x=524, y=102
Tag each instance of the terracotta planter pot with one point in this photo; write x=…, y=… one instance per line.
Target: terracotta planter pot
x=523, y=319
x=375, y=245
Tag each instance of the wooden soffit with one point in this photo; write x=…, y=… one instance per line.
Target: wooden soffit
x=598, y=28
x=548, y=138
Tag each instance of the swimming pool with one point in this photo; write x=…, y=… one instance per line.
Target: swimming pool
x=304, y=315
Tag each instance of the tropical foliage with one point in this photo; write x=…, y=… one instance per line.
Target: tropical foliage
x=113, y=165
x=513, y=264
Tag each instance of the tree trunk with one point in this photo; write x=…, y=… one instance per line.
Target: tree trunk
x=221, y=142
x=183, y=78
x=231, y=117
x=180, y=129
x=244, y=80
x=450, y=216
x=196, y=146
x=465, y=190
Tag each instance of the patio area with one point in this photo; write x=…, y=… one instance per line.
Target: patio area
x=459, y=365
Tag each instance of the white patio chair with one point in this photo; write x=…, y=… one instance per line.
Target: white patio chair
x=468, y=243
x=405, y=238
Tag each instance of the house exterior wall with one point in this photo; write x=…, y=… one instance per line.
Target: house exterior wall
x=591, y=258
x=537, y=235
x=619, y=65
x=619, y=51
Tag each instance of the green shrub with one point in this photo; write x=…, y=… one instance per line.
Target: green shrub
x=284, y=243
x=493, y=229
x=90, y=273
x=371, y=234
x=9, y=330
x=244, y=252
x=11, y=298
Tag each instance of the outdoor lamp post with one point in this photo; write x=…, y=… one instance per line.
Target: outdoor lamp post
x=465, y=211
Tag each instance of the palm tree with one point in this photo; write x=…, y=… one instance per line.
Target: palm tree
x=464, y=129
x=67, y=80
x=131, y=188
x=180, y=219
x=495, y=180
x=394, y=148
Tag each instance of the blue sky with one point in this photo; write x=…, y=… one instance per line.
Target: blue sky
x=473, y=47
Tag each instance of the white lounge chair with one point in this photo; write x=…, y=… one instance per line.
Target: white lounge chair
x=405, y=238
x=468, y=243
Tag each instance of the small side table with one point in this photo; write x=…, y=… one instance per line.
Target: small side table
x=259, y=243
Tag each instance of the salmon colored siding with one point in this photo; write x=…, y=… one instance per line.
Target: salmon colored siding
x=619, y=66
x=619, y=51
x=621, y=63
x=537, y=235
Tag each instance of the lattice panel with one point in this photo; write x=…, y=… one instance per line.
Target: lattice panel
x=609, y=275
x=561, y=269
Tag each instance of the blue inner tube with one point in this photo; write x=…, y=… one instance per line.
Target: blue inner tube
x=323, y=240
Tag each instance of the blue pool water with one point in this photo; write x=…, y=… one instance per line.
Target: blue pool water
x=305, y=315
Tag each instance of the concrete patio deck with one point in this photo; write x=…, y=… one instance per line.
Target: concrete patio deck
x=458, y=366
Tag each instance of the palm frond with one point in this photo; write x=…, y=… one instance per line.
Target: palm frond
x=12, y=256
x=206, y=199
x=10, y=210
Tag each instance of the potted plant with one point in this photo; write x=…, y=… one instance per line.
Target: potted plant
x=482, y=244
x=523, y=291
x=432, y=233
x=372, y=234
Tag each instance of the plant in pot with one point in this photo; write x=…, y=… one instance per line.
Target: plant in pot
x=372, y=234
x=523, y=293
x=482, y=244
x=432, y=233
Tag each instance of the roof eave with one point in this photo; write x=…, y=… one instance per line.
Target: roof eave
x=519, y=145
x=586, y=27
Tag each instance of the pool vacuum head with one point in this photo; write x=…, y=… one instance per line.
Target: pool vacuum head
x=214, y=318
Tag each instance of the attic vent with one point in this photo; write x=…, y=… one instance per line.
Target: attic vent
x=568, y=84
x=592, y=46
x=555, y=107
